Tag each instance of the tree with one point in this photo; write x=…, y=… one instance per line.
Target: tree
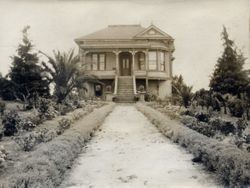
x=26, y=74
x=229, y=76
x=66, y=73
x=181, y=91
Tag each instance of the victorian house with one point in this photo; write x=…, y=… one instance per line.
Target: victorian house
x=128, y=59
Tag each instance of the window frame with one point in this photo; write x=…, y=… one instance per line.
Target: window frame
x=141, y=64
x=162, y=62
x=156, y=60
x=98, y=63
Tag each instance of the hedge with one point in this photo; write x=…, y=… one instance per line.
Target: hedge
x=46, y=166
x=231, y=164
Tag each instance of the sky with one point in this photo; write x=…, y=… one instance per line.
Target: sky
x=196, y=26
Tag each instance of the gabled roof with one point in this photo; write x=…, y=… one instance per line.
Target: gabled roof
x=126, y=32
x=153, y=32
x=114, y=32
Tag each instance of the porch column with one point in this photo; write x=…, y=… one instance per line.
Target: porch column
x=147, y=68
x=117, y=62
x=133, y=61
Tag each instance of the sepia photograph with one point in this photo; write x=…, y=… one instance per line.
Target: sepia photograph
x=124, y=93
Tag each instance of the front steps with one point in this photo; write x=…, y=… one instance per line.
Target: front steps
x=125, y=90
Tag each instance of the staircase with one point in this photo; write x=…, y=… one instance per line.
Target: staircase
x=125, y=91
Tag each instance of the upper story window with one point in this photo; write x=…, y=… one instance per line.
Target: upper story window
x=141, y=61
x=152, y=60
x=98, y=61
x=161, y=61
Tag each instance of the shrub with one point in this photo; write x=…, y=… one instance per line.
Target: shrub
x=46, y=108
x=248, y=139
x=10, y=123
x=149, y=96
x=241, y=125
x=227, y=161
x=46, y=166
x=199, y=126
x=236, y=107
x=201, y=116
x=227, y=127
x=64, y=124
x=26, y=124
x=64, y=108
x=2, y=107
x=77, y=104
x=29, y=140
x=3, y=156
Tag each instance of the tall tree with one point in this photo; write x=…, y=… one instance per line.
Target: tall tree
x=66, y=73
x=26, y=74
x=229, y=76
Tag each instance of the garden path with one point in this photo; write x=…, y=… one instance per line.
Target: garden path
x=129, y=151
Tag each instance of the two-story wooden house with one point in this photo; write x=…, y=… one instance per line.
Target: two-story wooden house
x=128, y=58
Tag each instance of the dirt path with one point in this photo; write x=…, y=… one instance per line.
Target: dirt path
x=130, y=152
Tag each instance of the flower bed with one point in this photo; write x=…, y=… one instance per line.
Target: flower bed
x=230, y=163
x=45, y=166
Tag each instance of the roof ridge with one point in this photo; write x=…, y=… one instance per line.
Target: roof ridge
x=125, y=25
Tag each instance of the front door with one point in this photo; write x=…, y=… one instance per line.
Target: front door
x=125, y=65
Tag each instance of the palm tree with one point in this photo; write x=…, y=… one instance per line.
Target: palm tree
x=184, y=93
x=65, y=71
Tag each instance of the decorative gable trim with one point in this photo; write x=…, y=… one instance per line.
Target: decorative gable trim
x=152, y=32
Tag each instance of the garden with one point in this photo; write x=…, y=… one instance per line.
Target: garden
x=213, y=124
x=40, y=105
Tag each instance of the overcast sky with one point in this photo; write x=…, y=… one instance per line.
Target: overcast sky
x=195, y=25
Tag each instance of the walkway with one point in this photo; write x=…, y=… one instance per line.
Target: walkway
x=130, y=152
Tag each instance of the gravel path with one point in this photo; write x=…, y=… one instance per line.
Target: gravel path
x=130, y=152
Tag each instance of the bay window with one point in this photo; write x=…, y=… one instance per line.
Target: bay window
x=161, y=61
x=152, y=60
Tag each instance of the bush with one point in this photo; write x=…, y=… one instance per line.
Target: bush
x=3, y=155
x=10, y=122
x=149, y=96
x=2, y=108
x=46, y=108
x=201, y=116
x=29, y=140
x=26, y=124
x=199, y=126
x=46, y=166
x=227, y=161
x=64, y=124
x=241, y=125
x=236, y=107
x=227, y=127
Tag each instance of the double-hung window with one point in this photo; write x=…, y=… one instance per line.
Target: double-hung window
x=141, y=60
x=98, y=61
x=161, y=61
x=152, y=60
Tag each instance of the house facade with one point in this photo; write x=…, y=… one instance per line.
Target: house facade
x=127, y=59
